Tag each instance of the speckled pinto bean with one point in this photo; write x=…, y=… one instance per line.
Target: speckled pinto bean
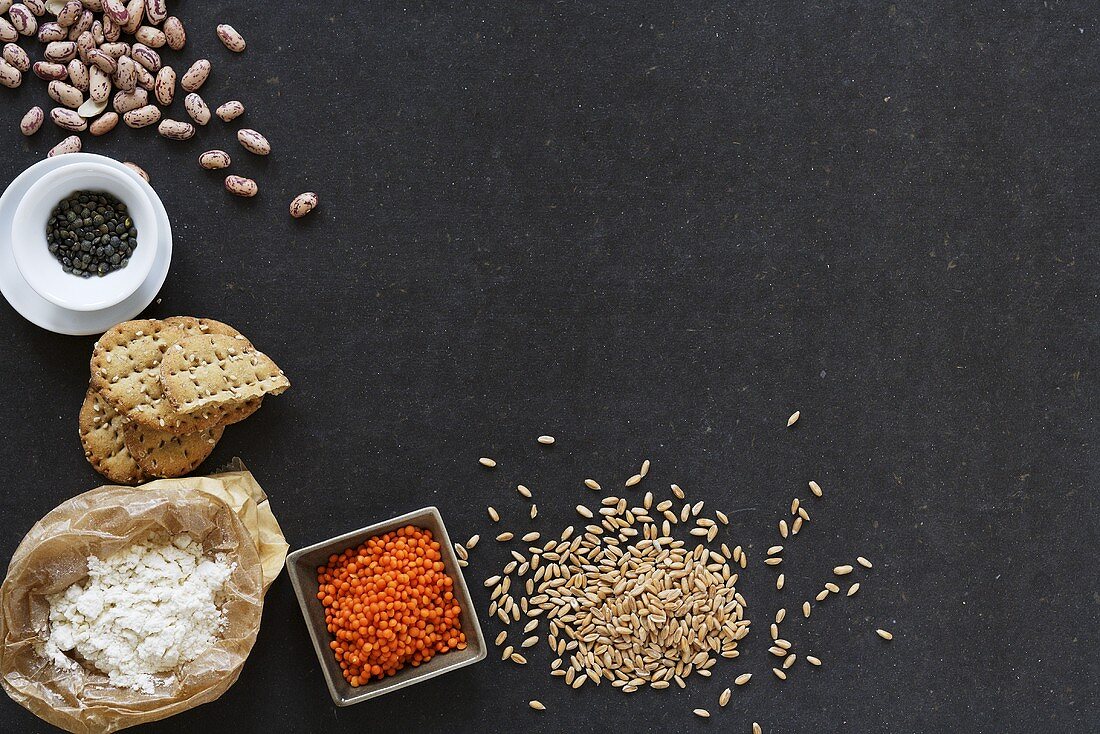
x=303, y=204
x=125, y=77
x=70, y=13
x=99, y=84
x=49, y=71
x=126, y=101
x=150, y=36
x=156, y=11
x=145, y=80
x=196, y=76
x=197, y=108
x=23, y=20
x=8, y=34
x=146, y=56
x=5, y=5
x=115, y=50
x=135, y=9
x=10, y=77
x=104, y=124
x=116, y=11
x=68, y=120
x=83, y=24
x=165, y=85
x=60, y=52
x=253, y=142
x=17, y=57
x=32, y=121
x=241, y=186
x=213, y=160
x=38, y=7
x=85, y=44
x=230, y=110
x=112, y=31
x=78, y=74
x=137, y=169
x=142, y=116
x=50, y=31
x=175, y=130
x=70, y=144
x=174, y=33
x=229, y=36
x=65, y=94
x=102, y=61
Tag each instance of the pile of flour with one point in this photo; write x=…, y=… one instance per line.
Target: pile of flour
x=142, y=612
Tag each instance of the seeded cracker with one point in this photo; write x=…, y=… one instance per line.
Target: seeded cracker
x=104, y=443
x=163, y=454
x=212, y=370
x=125, y=369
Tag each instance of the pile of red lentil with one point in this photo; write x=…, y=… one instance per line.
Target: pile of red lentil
x=389, y=603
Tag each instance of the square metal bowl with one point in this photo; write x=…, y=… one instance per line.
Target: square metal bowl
x=302, y=567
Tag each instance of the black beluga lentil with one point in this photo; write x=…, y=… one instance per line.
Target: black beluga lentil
x=91, y=233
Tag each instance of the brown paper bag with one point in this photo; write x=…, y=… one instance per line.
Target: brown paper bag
x=53, y=556
x=239, y=489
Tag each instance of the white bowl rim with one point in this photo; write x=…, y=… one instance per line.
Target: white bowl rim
x=94, y=296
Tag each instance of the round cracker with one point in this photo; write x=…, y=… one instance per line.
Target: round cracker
x=163, y=454
x=125, y=369
x=101, y=434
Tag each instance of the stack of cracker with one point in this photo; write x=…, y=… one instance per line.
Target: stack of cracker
x=163, y=391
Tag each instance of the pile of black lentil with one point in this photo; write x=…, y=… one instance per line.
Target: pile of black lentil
x=91, y=234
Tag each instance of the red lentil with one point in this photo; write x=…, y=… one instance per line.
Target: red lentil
x=389, y=603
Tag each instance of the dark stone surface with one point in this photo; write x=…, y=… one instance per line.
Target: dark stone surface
x=654, y=233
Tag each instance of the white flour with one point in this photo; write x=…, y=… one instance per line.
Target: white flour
x=143, y=611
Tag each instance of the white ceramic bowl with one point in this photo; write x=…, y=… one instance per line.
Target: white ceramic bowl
x=42, y=270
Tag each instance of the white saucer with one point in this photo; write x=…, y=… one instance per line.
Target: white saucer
x=43, y=313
